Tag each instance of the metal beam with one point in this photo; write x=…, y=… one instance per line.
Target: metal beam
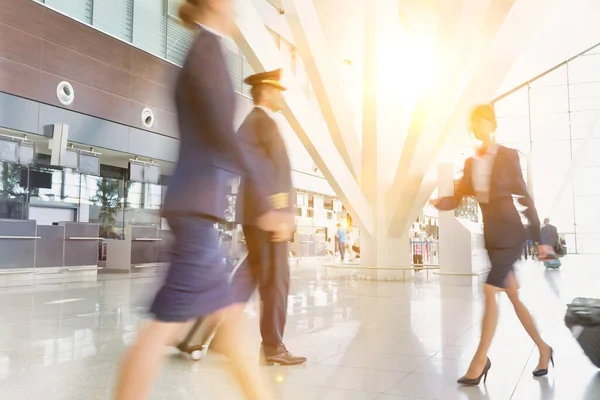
x=257, y=45
x=520, y=26
x=317, y=56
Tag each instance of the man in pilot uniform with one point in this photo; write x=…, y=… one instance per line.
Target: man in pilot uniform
x=266, y=266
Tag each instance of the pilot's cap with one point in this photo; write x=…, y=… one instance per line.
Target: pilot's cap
x=272, y=78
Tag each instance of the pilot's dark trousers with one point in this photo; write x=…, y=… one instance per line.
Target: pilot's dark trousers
x=267, y=268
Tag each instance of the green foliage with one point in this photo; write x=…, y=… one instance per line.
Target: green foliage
x=107, y=197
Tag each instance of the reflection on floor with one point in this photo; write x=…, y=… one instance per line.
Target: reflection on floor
x=365, y=340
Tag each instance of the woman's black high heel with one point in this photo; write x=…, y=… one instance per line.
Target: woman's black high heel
x=544, y=371
x=475, y=381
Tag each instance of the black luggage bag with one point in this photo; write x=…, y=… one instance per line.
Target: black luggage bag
x=199, y=336
x=583, y=319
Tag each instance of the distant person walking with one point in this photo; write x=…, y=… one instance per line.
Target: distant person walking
x=550, y=234
x=342, y=236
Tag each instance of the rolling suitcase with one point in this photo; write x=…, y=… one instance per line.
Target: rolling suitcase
x=583, y=319
x=552, y=264
x=201, y=332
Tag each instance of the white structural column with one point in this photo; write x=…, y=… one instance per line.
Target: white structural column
x=520, y=26
x=463, y=258
x=260, y=50
x=318, y=62
x=378, y=251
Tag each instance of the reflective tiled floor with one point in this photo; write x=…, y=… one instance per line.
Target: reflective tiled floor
x=365, y=340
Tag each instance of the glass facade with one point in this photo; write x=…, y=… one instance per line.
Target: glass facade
x=110, y=199
x=550, y=117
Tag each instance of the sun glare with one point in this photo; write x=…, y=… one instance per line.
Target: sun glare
x=405, y=67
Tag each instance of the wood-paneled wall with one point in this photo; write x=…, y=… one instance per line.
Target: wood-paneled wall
x=112, y=80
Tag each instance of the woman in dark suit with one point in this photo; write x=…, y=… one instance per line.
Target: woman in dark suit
x=493, y=176
x=209, y=158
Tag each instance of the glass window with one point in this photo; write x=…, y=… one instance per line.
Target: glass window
x=60, y=192
x=104, y=198
x=587, y=242
x=301, y=199
x=234, y=61
x=590, y=157
x=585, y=68
x=150, y=26
x=562, y=214
x=80, y=9
x=588, y=213
x=514, y=104
x=584, y=96
x=142, y=204
x=586, y=181
x=318, y=202
x=246, y=71
x=549, y=99
x=553, y=158
x=582, y=122
x=549, y=127
x=564, y=109
x=13, y=196
x=114, y=17
x=179, y=41
x=513, y=129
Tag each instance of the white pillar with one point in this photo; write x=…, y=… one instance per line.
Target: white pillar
x=378, y=250
x=463, y=259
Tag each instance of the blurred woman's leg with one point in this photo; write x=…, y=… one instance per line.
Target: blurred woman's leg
x=512, y=290
x=244, y=368
x=488, y=328
x=142, y=362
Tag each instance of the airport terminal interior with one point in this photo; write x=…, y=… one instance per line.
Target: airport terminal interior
x=386, y=297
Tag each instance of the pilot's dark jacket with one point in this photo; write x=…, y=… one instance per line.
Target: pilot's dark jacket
x=269, y=160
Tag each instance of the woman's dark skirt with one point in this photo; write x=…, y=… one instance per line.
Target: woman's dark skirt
x=196, y=283
x=503, y=261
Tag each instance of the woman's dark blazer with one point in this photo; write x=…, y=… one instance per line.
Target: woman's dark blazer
x=210, y=155
x=502, y=223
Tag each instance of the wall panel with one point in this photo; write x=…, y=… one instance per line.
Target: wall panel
x=88, y=100
x=87, y=40
x=18, y=113
x=19, y=79
x=20, y=46
x=151, y=93
x=153, y=68
x=74, y=66
x=24, y=15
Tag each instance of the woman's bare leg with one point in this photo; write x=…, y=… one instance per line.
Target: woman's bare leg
x=488, y=328
x=512, y=290
x=142, y=363
x=244, y=368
